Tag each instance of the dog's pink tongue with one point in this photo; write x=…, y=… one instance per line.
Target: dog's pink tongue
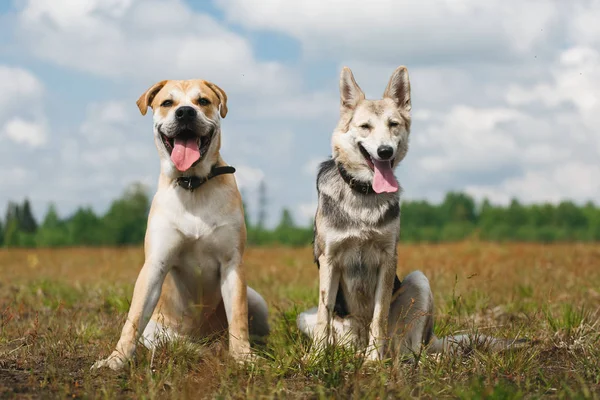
x=185, y=153
x=384, y=180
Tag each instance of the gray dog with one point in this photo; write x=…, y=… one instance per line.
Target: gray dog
x=356, y=231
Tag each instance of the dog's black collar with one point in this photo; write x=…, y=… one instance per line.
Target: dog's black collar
x=356, y=185
x=194, y=182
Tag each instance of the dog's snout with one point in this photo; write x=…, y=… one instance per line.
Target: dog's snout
x=385, y=152
x=185, y=113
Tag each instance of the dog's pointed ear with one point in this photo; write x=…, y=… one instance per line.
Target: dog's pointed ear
x=350, y=93
x=222, y=98
x=398, y=88
x=145, y=99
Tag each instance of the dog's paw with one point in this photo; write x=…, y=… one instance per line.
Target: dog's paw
x=373, y=355
x=244, y=356
x=316, y=352
x=115, y=361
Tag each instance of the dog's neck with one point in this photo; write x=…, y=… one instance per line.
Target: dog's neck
x=194, y=182
x=356, y=185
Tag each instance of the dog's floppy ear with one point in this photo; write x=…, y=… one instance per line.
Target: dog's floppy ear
x=350, y=93
x=398, y=88
x=146, y=99
x=222, y=98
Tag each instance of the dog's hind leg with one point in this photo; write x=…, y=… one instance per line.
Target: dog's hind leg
x=258, y=318
x=307, y=321
x=341, y=327
x=258, y=315
x=410, y=323
x=156, y=334
x=465, y=343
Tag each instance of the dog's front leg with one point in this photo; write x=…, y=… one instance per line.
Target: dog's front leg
x=145, y=296
x=160, y=245
x=235, y=299
x=383, y=297
x=329, y=280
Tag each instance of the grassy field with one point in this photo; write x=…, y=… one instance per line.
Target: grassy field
x=61, y=310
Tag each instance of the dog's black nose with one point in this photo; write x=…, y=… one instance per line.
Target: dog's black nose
x=385, y=152
x=185, y=113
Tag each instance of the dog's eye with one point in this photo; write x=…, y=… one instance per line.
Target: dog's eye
x=365, y=126
x=393, y=124
x=203, y=102
x=166, y=103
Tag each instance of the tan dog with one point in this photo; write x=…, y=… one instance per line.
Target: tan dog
x=192, y=281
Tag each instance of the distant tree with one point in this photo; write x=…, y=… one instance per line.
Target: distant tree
x=419, y=214
x=52, y=232
x=51, y=220
x=458, y=208
x=286, y=221
x=262, y=205
x=288, y=233
x=27, y=222
x=11, y=233
x=592, y=215
x=569, y=216
x=456, y=218
x=11, y=225
x=516, y=214
x=84, y=228
x=125, y=221
x=12, y=213
x=541, y=215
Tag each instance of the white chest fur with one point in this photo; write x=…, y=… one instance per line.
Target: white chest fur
x=198, y=214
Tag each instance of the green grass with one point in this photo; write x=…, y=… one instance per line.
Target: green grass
x=56, y=322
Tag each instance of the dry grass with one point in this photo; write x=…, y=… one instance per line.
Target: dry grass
x=60, y=310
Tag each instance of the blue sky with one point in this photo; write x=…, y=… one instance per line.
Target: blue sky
x=505, y=96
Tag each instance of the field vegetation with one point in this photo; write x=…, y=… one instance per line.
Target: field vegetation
x=62, y=309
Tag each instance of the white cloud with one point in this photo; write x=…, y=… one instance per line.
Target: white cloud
x=584, y=28
x=299, y=106
x=573, y=180
x=19, y=89
x=248, y=178
x=306, y=212
x=428, y=31
x=149, y=41
x=22, y=118
x=312, y=166
x=505, y=96
x=25, y=132
x=467, y=138
x=576, y=80
x=106, y=123
x=541, y=145
x=561, y=161
x=113, y=137
x=13, y=176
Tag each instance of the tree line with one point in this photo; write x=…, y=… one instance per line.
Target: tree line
x=457, y=217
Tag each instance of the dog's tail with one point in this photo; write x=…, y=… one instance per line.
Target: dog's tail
x=467, y=343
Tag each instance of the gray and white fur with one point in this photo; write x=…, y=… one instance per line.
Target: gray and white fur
x=362, y=303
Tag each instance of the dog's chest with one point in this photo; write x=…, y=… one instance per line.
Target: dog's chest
x=358, y=235
x=197, y=225
x=200, y=217
x=209, y=238
x=208, y=229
